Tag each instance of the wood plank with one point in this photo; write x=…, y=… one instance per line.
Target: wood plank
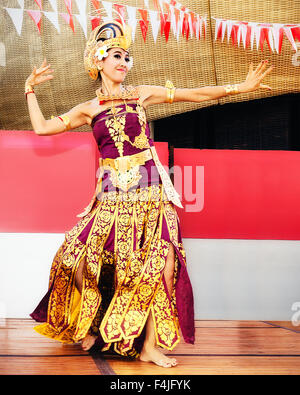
x=285, y=325
x=213, y=365
x=221, y=347
x=75, y=365
x=230, y=324
x=239, y=341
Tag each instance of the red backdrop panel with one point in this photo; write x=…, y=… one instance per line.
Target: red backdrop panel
x=47, y=180
x=245, y=194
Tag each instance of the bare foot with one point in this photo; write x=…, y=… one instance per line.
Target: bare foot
x=157, y=357
x=88, y=342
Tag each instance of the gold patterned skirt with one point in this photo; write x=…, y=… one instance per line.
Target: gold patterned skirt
x=125, y=251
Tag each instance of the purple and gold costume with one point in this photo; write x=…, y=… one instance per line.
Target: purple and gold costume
x=124, y=237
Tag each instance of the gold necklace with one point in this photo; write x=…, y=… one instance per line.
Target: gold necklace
x=127, y=93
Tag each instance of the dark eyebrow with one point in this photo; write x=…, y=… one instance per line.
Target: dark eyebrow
x=120, y=52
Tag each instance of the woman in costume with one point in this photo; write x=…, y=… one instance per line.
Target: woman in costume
x=120, y=278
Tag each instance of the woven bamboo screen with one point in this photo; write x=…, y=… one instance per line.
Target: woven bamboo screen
x=188, y=63
x=231, y=63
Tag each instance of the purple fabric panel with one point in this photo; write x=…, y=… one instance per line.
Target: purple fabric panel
x=40, y=313
x=109, y=244
x=108, y=149
x=104, y=140
x=183, y=291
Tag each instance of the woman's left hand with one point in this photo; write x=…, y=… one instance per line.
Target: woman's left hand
x=255, y=77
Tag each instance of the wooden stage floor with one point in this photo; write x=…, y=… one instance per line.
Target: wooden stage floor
x=221, y=348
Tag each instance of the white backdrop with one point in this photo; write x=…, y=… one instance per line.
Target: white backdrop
x=232, y=279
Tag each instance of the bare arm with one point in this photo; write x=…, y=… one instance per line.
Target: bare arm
x=40, y=125
x=158, y=94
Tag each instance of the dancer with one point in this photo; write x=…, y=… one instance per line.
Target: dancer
x=120, y=277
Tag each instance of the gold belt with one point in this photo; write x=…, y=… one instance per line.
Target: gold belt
x=126, y=174
x=124, y=163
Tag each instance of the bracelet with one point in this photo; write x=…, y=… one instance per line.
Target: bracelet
x=231, y=89
x=170, y=91
x=28, y=89
x=66, y=120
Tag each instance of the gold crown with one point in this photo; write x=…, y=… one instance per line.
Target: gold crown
x=121, y=38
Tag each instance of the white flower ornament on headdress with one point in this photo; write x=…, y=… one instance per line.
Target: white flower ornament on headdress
x=101, y=52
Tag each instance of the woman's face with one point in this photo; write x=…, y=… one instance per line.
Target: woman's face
x=116, y=65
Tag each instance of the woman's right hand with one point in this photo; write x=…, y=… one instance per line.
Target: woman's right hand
x=40, y=75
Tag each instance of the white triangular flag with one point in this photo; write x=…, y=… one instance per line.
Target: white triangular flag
x=242, y=34
x=53, y=18
x=271, y=39
x=155, y=23
x=53, y=4
x=83, y=23
x=224, y=25
x=16, y=15
x=173, y=20
x=252, y=35
x=179, y=25
x=289, y=35
x=108, y=9
x=257, y=31
x=229, y=29
x=191, y=25
x=81, y=5
x=132, y=21
x=275, y=31
x=217, y=25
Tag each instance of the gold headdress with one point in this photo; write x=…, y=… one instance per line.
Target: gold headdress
x=102, y=38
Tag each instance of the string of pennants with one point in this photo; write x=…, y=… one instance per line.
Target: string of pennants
x=167, y=16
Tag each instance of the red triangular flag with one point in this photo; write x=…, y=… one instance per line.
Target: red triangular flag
x=96, y=4
x=248, y=36
x=264, y=35
x=234, y=33
x=296, y=32
x=121, y=9
x=144, y=28
x=165, y=25
x=219, y=32
x=144, y=23
x=36, y=17
x=95, y=22
x=186, y=26
x=280, y=39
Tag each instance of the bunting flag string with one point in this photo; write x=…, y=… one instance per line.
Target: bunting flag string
x=166, y=16
x=249, y=32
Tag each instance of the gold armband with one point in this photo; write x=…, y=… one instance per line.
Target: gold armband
x=170, y=91
x=66, y=120
x=231, y=89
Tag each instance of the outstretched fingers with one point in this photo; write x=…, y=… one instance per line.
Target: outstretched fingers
x=268, y=71
x=261, y=66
